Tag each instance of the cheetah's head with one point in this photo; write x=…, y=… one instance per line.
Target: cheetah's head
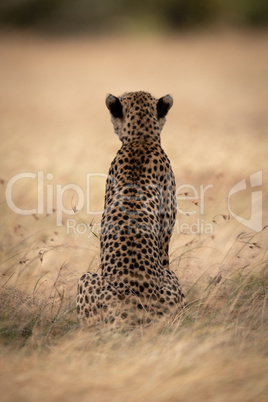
x=138, y=113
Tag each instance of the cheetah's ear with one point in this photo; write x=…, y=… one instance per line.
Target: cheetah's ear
x=163, y=106
x=114, y=105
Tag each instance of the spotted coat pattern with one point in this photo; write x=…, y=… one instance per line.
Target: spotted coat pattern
x=135, y=284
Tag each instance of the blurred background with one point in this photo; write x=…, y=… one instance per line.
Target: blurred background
x=65, y=16
x=60, y=58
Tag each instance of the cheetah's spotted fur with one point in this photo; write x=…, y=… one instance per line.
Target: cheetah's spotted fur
x=135, y=283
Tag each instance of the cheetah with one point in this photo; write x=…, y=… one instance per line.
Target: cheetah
x=135, y=285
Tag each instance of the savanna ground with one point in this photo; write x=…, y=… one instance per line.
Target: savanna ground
x=53, y=120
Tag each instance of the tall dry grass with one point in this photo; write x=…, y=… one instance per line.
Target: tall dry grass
x=53, y=119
